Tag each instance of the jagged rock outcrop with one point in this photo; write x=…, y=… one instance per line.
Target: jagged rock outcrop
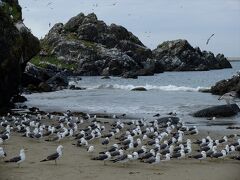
x=90, y=47
x=224, y=86
x=37, y=79
x=17, y=46
x=179, y=55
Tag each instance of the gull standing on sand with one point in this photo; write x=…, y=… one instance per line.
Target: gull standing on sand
x=154, y=160
x=2, y=153
x=200, y=156
x=18, y=159
x=167, y=157
x=103, y=157
x=55, y=156
x=229, y=97
x=221, y=154
x=90, y=149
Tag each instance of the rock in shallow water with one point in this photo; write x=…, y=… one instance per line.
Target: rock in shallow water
x=172, y=119
x=218, y=111
x=179, y=55
x=139, y=89
x=224, y=86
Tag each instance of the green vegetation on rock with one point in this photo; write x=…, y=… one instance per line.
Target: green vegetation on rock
x=72, y=36
x=89, y=44
x=44, y=61
x=13, y=10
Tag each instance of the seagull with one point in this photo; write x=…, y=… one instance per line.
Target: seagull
x=167, y=158
x=117, y=153
x=228, y=97
x=224, y=139
x=90, y=149
x=2, y=153
x=235, y=157
x=141, y=152
x=148, y=155
x=209, y=39
x=221, y=154
x=113, y=148
x=211, y=152
x=123, y=159
x=103, y=157
x=55, y=156
x=235, y=143
x=200, y=156
x=18, y=159
x=105, y=141
x=5, y=137
x=155, y=160
x=49, y=3
x=179, y=155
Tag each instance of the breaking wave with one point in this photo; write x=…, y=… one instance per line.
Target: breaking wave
x=149, y=87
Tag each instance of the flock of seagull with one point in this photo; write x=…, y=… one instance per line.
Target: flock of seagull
x=120, y=140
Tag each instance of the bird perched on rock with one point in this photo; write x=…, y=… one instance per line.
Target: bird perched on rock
x=55, y=156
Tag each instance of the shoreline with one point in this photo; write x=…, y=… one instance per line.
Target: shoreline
x=76, y=163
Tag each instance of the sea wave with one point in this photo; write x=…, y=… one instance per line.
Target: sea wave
x=149, y=87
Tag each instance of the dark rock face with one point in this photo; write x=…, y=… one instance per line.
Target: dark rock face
x=18, y=99
x=73, y=87
x=38, y=79
x=224, y=86
x=179, y=55
x=17, y=46
x=218, y=111
x=98, y=49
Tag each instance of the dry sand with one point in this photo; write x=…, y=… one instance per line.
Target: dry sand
x=76, y=164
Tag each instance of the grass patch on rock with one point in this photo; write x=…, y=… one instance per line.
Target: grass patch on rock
x=45, y=61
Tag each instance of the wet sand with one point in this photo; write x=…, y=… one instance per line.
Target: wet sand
x=76, y=164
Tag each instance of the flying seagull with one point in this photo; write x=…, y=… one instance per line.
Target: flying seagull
x=209, y=39
x=18, y=159
x=55, y=156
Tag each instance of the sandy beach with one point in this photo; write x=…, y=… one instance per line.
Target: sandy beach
x=76, y=164
x=119, y=90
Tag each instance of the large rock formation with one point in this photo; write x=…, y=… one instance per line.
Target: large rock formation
x=88, y=46
x=224, y=86
x=218, y=111
x=37, y=79
x=179, y=55
x=17, y=46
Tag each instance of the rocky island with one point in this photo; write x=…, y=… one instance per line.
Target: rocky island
x=87, y=46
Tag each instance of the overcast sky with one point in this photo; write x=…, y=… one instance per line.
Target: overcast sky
x=153, y=21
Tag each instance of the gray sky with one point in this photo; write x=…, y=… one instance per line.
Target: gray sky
x=153, y=21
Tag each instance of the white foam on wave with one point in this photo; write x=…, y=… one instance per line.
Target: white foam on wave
x=148, y=87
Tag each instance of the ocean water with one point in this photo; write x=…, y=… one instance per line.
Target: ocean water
x=167, y=92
